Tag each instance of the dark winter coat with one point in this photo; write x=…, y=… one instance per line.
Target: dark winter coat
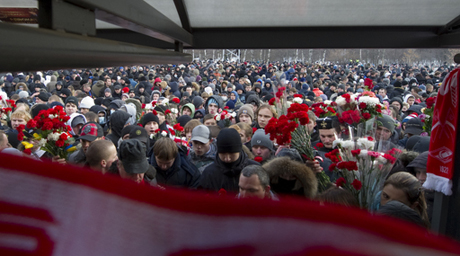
x=117, y=122
x=182, y=173
x=222, y=175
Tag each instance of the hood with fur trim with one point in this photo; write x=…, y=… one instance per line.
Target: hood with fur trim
x=306, y=178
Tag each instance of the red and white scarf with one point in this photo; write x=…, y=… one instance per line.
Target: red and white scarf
x=440, y=166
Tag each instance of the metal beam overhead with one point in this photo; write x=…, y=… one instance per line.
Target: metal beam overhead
x=321, y=37
x=128, y=36
x=452, y=25
x=29, y=49
x=183, y=15
x=138, y=16
x=62, y=16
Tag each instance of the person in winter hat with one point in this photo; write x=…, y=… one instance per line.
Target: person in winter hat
x=224, y=173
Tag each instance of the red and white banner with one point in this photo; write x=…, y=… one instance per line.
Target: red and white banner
x=440, y=165
x=48, y=209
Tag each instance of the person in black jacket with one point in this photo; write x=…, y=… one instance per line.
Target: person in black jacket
x=117, y=121
x=224, y=173
x=172, y=167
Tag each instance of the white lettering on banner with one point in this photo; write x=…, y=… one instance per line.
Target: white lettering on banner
x=444, y=169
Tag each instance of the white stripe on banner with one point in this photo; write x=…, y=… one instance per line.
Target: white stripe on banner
x=69, y=219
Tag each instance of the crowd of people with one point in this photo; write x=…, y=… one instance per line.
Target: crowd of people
x=125, y=123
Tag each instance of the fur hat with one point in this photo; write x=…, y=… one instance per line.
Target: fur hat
x=305, y=177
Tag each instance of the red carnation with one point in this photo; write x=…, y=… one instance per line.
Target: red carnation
x=362, y=105
x=370, y=138
x=154, y=112
x=63, y=137
x=27, y=151
x=340, y=181
x=279, y=94
x=20, y=136
x=351, y=166
x=430, y=102
x=176, y=100
x=125, y=90
x=154, y=103
x=298, y=96
x=254, y=129
x=390, y=158
x=143, y=105
x=226, y=107
x=60, y=143
x=342, y=165
x=357, y=184
x=366, y=116
x=178, y=127
x=356, y=152
x=369, y=83
x=31, y=123
x=332, y=167
x=167, y=111
x=320, y=145
x=272, y=101
x=330, y=110
x=47, y=126
x=258, y=159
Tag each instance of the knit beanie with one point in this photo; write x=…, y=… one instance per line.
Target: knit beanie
x=261, y=139
x=230, y=104
x=228, y=141
x=246, y=109
x=387, y=122
x=149, y=117
x=183, y=120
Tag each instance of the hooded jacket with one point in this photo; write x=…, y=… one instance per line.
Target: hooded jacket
x=117, y=122
x=305, y=183
x=201, y=162
x=218, y=99
x=52, y=84
x=222, y=175
x=191, y=107
x=236, y=101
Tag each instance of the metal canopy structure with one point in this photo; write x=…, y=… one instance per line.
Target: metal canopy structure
x=232, y=24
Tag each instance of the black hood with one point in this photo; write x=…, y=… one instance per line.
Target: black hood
x=117, y=122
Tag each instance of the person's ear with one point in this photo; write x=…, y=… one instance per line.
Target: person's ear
x=267, y=191
x=103, y=163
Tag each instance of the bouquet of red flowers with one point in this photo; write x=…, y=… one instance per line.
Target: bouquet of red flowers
x=359, y=111
x=7, y=108
x=176, y=132
x=325, y=109
x=226, y=116
x=52, y=134
x=362, y=169
x=290, y=130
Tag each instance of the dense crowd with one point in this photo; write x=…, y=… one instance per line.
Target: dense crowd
x=201, y=125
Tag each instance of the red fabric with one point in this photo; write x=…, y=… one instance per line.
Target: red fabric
x=317, y=92
x=443, y=136
x=103, y=201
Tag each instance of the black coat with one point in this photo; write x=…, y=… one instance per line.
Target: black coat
x=182, y=173
x=221, y=175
